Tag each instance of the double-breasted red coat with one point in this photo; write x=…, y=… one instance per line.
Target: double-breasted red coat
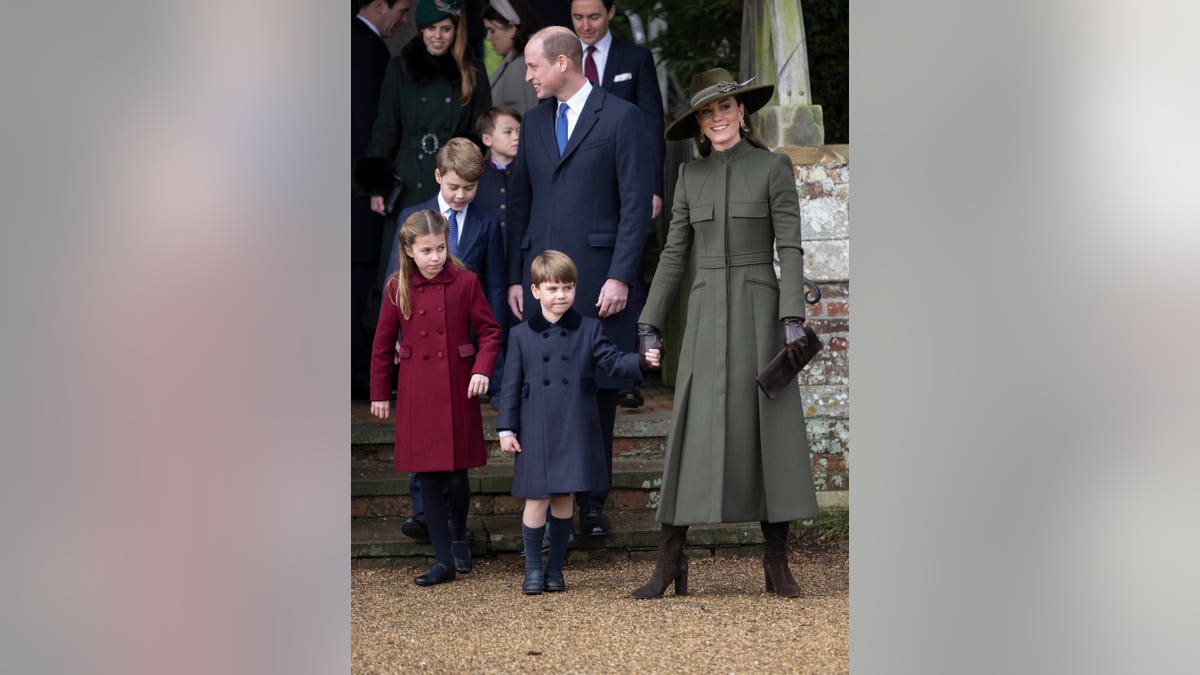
x=438, y=428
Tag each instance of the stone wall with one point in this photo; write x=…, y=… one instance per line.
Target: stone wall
x=823, y=182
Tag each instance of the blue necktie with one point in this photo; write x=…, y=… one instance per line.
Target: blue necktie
x=453, y=243
x=560, y=129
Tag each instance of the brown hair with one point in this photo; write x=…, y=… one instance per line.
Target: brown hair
x=704, y=146
x=551, y=265
x=459, y=49
x=419, y=224
x=559, y=41
x=462, y=157
x=486, y=123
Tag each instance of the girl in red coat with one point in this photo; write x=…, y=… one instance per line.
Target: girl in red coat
x=448, y=346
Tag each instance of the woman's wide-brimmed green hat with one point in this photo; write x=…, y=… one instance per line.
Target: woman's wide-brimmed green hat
x=714, y=85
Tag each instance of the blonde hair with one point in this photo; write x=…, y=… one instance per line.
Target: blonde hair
x=419, y=224
x=462, y=157
x=551, y=265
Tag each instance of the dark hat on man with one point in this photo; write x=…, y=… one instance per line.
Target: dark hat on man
x=430, y=12
x=714, y=85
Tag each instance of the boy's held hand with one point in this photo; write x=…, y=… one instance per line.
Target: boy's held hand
x=478, y=385
x=396, y=355
x=653, y=357
x=381, y=409
x=510, y=445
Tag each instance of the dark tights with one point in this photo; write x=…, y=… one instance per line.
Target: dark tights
x=459, y=492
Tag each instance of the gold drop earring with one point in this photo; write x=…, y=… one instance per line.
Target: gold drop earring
x=745, y=127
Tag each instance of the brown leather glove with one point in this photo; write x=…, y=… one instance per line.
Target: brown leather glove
x=648, y=338
x=795, y=339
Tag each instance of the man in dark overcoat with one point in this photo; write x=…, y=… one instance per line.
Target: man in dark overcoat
x=580, y=185
x=374, y=23
x=625, y=70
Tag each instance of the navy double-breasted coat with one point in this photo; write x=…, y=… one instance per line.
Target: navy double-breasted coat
x=438, y=428
x=548, y=399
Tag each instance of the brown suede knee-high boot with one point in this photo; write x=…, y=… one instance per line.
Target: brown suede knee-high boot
x=775, y=564
x=671, y=565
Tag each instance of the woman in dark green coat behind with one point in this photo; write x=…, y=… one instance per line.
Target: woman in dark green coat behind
x=433, y=90
x=733, y=455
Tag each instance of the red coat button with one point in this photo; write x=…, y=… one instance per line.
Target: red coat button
x=424, y=333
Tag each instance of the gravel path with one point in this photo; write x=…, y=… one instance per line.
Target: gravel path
x=482, y=623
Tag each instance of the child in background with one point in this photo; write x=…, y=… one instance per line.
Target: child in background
x=500, y=129
x=448, y=346
x=548, y=416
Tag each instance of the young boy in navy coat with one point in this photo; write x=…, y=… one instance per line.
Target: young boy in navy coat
x=548, y=415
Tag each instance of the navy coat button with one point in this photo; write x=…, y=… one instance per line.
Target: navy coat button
x=565, y=357
x=546, y=382
x=564, y=333
x=565, y=381
x=545, y=358
x=546, y=334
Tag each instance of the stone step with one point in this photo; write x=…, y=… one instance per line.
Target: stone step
x=634, y=536
x=379, y=490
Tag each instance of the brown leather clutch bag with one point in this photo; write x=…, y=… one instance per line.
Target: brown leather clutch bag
x=780, y=373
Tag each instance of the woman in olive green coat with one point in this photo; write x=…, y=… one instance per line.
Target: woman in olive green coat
x=733, y=455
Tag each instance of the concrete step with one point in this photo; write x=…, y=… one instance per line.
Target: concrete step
x=378, y=541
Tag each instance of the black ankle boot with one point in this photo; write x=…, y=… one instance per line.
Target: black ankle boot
x=560, y=532
x=778, y=577
x=671, y=565
x=462, y=557
x=534, y=581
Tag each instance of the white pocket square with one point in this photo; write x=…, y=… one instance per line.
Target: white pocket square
x=622, y=77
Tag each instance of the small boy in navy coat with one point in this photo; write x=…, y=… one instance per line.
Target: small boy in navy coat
x=548, y=415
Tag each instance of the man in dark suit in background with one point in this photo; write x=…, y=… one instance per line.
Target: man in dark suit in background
x=375, y=22
x=628, y=71
x=581, y=185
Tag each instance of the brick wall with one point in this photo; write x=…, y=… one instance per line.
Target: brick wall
x=823, y=183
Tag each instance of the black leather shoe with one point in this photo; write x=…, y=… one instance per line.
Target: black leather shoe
x=630, y=398
x=438, y=574
x=462, y=557
x=415, y=530
x=533, y=582
x=554, y=583
x=593, y=522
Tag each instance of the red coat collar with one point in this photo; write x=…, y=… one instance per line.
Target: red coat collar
x=448, y=274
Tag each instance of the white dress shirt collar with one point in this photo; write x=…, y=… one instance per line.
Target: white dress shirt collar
x=575, y=106
x=375, y=30
x=444, y=209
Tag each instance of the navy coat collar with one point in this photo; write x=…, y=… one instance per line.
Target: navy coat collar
x=571, y=320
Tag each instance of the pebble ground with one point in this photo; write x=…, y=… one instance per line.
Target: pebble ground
x=482, y=623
